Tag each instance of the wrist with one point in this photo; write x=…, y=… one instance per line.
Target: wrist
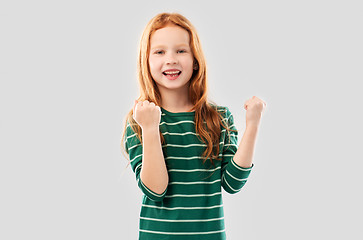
x=253, y=126
x=150, y=130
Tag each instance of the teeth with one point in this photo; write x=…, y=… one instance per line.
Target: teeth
x=172, y=72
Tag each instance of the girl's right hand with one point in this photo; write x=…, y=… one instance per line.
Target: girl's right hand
x=147, y=114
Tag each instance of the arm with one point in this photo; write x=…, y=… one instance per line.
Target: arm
x=234, y=176
x=146, y=157
x=244, y=154
x=153, y=173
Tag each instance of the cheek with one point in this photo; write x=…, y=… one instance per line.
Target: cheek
x=189, y=59
x=155, y=69
x=188, y=63
x=154, y=65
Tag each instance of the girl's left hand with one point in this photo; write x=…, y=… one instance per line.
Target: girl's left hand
x=254, y=107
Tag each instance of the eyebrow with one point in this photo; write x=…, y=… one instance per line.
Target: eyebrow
x=178, y=45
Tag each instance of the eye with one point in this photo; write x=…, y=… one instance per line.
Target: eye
x=159, y=52
x=182, y=51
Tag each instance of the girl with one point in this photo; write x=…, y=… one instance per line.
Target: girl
x=183, y=148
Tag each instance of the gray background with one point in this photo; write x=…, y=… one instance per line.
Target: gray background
x=68, y=77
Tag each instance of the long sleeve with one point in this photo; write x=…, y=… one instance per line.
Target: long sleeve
x=233, y=177
x=133, y=147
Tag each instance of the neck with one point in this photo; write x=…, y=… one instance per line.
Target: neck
x=176, y=101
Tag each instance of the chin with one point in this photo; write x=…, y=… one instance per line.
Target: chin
x=172, y=86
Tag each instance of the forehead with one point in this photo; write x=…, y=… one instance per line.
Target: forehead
x=170, y=35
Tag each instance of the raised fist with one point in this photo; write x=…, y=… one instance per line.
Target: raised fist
x=147, y=114
x=254, y=107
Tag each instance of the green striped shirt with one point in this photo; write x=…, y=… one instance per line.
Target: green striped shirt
x=191, y=207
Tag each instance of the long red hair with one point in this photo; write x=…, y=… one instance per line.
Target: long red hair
x=204, y=110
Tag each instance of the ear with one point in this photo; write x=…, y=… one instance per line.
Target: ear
x=195, y=65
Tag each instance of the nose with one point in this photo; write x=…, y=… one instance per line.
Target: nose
x=171, y=59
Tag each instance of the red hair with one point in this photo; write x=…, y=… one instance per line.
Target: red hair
x=204, y=111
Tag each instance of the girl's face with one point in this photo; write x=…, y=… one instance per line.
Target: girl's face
x=170, y=58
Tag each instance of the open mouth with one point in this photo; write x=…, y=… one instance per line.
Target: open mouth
x=172, y=73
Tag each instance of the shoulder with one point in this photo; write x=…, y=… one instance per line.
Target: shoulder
x=222, y=110
x=129, y=130
x=130, y=133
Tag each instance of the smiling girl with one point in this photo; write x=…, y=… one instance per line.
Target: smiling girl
x=183, y=148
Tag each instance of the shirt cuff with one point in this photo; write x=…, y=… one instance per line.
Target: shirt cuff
x=238, y=171
x=149, y=193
